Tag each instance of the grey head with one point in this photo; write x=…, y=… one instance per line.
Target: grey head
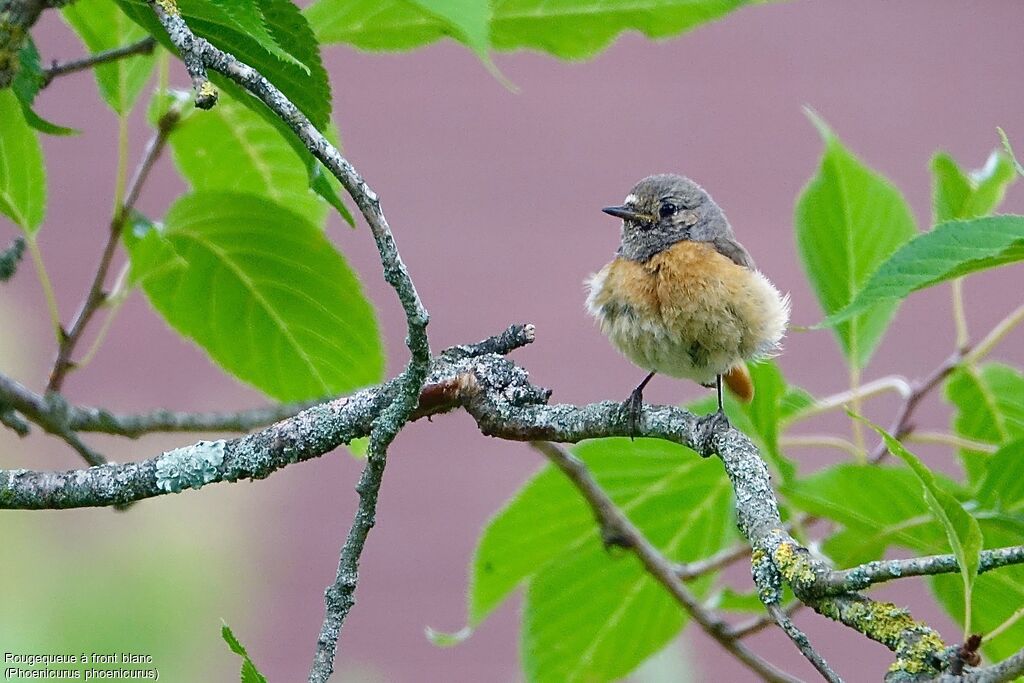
x=662, y=210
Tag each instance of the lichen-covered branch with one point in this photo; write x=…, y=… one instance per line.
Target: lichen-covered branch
x=859, y=578
x=200, y=55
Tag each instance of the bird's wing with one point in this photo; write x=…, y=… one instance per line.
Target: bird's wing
x=730, y=248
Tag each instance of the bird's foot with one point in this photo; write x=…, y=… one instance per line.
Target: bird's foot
x=632, y=407
x=708, y=427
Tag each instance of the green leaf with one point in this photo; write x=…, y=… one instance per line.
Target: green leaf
x=546, y=538
x=234, y=149
x=1002, y=488
x=22, y=173
x=951, y=250
x=988, y=408
x=27, y=84
x=249, y=673
x=957, y=195
x=103, y=26
x=1009, y=150
x=563, y=28
x=261, y=289
x=849, y=219
x=766, y=410
x=961, y=528
x=996, y=596
x=301, y=77
x=574, y=30
x=877, y=506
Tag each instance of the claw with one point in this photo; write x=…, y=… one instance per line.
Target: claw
x=633, y=406
x=709, y=426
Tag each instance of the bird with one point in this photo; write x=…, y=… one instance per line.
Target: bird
x=682, y=297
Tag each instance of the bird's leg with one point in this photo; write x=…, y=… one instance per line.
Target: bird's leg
x=710, y=424
x=634, y=404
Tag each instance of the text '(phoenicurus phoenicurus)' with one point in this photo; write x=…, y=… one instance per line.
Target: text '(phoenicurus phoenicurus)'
x=682, y=297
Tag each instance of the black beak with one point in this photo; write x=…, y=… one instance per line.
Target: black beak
x=625, y=213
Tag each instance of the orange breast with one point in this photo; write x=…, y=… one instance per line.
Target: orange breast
x=688, y=311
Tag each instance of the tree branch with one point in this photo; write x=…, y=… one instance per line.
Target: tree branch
x=141, y=47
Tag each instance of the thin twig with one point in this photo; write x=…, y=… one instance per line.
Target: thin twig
x=616, y=524
x=889, y=383
x=996, y=335
x=802, y=643
x=142, y=47
x=759, y=623
x=96, y=296
x=819, y=441
x=692, y=570
x=948, y=439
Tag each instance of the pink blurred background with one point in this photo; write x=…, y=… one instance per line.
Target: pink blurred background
x=494, y=198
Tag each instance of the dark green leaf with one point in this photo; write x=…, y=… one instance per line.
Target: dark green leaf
x=249, y=673
x=103, y=26
x=957, y=195
x=961, y=528
x=951, y=250
x=27, y=84
x=301, y=78
x=849, y=219
x=22, y=173
x=546, y=537
x=263, y=292
x=988, y=408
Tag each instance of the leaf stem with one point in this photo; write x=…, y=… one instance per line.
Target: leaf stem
x=951, y=440
x=46, y=284
x=963, y=337
x=889, y=383
x=1005, y=626
x=821, y=441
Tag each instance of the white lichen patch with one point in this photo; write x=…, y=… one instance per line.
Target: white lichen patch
x=190, y=466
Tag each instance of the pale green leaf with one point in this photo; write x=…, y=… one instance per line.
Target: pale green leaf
x=1009, y=151
x=546, y=538
x=957, y=195
x=563, y=28
x=575, y=30
x=767, y=409
x=22, y=173
x=261, y=289
x=962, y=530
x=951, y=250
x=249, y=673
x=103, y=26
x=1002, y=489
x=849, y=219
x=232, y=148
x=996, y=596
x=877, y=506
x=988, y=409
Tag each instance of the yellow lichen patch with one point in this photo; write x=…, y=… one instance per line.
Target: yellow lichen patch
x=207, y=90
x=169, y=6
x=914, y=643
x=795, y=566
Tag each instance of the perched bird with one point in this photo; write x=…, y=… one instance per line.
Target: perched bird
x=682, y=297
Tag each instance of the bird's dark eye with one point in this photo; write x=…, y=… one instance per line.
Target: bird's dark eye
x=668, y=209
